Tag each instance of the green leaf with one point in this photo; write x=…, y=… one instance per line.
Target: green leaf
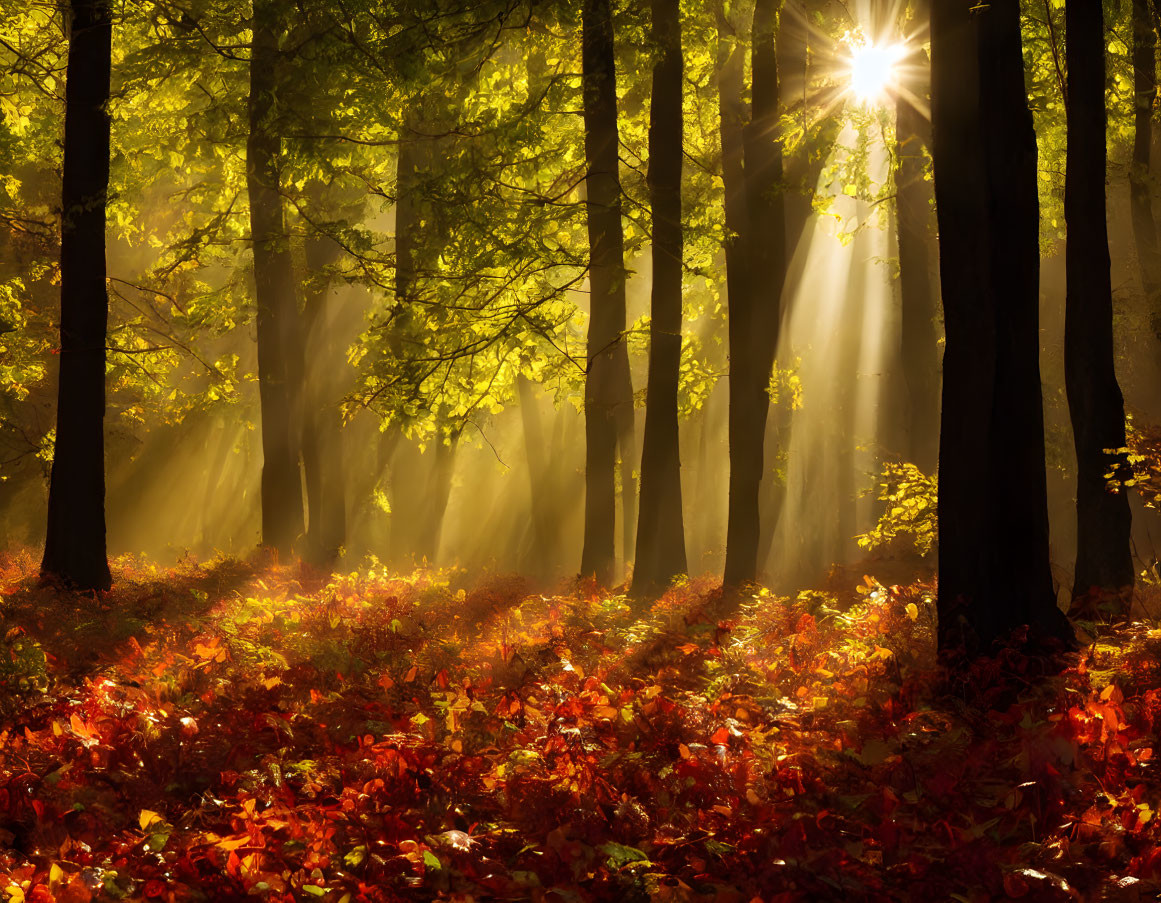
x=621, y=855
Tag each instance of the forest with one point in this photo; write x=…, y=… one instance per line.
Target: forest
x=631, y=450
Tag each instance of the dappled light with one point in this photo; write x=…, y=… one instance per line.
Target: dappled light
x=670, y=452
x=376, y=734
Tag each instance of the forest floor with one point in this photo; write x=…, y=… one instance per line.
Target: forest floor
x=235, y=731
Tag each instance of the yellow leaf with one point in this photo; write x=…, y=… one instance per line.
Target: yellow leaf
x=148, y=817
x=912, y=611
x=55, y=874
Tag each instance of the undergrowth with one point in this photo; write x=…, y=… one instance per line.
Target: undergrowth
x=232, y=730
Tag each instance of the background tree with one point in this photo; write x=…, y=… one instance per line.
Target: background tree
x=1104, y=563
x=920, y=349
x=755, y=306
x=660, y=551
x=1144, y=97
x=74, y=548
x=279, y=340
x=606, y=373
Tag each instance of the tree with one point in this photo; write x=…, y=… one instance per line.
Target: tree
x=993, y=519
x=1104, y=563
x=607, y=368
x=74, y=548
x=277, y=322
x=660, y=552
x=918, y=346
x=322, y=447
x=1141, y=209
x=752, y=166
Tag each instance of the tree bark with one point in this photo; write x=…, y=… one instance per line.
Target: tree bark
x=606, y=330
x=660, y=552
x=74, y=548
x=918, y=342
x=277, y=322
x=993, y=514
x=1104, y=563
x=1140, y=202
x=755, y=315
x=544, y=529
x=434, y=502
x=322, y=427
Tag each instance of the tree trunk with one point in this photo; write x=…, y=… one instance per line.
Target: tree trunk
x=1104, y=563
x=625, y=415
x=755, y=315
x=278, y=338
x=322, y=426
x=606, y=290
x=433, y=504
x=801, y=169
x=1140, y=202
x=993, y=512
x=74, y=548
x=919, y=347
x=543, y=532
x=661, y=530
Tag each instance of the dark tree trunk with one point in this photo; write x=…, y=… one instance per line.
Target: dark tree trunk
x=606, y=331
x=661, y=530
x=801, y=169
x=543, y=532
x=1104, y=563
x=627, y=454
x=74, y=548
x=322, y=427
x=800, y=175
x=755, y=315
x=1140, y=202
x=278, y=333
x=434, y=503
x=993, y=511
x=919, y=347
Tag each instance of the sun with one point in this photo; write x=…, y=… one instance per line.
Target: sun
x=873, y=70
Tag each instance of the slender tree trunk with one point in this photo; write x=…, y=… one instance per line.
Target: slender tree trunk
x=607, y=290
x=1140, y=202
x=74, y=548
x=433, y=504
x=754, y=322
x=322, y=426
x=625, y=415
x=800, y=176
x=537, y=453
x=918, y=342
x=661, y=531
x=993, y=512
x=801, y=169
x=399, y=457
x=1104, y=563
x=278, y=338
